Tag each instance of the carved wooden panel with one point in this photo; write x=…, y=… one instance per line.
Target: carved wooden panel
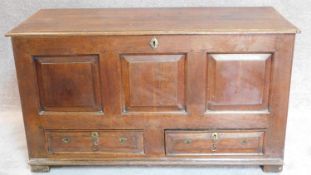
x=238, y=81
x=153, y=83
x=68, y=83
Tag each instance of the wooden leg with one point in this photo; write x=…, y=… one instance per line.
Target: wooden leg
x=40, y=168
x=272, y=168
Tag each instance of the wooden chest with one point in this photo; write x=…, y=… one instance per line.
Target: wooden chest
x=166, y=86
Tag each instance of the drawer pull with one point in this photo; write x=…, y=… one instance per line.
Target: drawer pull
x=213, y=148
x=66, y=140
x=243, y=142
x=187, y=141
x=215, y=137
x=95, y=138
x=122, y=140
x=94, y=148
x=154, y=43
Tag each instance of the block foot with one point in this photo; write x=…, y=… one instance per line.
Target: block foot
x=272, y=168
x=40, y=168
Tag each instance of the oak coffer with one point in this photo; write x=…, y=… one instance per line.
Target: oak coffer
x=155, y=86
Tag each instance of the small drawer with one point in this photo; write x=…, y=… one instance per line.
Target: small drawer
x=180, y=142
x=102, y=141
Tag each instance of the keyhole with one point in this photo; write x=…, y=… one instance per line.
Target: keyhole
x=214, y=136
x=154, y=43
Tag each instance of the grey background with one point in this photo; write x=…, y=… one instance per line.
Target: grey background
x=13, y=145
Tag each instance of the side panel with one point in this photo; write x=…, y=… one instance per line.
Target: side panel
x=238, y=81
x=68, y=83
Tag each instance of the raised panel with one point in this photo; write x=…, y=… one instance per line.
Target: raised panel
x=68, y=83
x=153, y=83
x=238, y=81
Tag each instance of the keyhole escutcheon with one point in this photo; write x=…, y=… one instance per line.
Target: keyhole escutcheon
x=154, y=43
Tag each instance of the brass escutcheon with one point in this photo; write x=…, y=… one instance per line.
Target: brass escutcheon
x=154, y=43
x=94, y=134
x=214, y=136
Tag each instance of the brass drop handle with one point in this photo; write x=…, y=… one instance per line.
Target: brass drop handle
x=66, y=140
x=95, y=138
x=122, y=140
x=94, y=148
x=154, y=43
x=214, y=138
x=213, y=148
x=244, y=142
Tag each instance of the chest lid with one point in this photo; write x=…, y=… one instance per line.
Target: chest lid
x=154, y=21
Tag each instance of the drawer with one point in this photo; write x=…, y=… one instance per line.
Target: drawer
x=102, y=141
x=221, y=142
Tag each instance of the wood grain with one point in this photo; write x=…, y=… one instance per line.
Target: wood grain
x=154, y=21
x=232, y=82
x=200, y=143
x=68, y=83
x=153, y=83
x=108, y=142
x=238, y=81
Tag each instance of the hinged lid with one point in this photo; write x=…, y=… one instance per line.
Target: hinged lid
x=151, y=21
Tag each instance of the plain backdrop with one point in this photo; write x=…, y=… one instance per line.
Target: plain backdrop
x=13, y=150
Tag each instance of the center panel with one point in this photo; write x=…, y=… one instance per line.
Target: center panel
x=153, y=83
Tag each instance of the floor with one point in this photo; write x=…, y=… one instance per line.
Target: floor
x=13, y=153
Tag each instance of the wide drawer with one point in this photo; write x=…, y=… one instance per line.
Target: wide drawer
x=102, y=141
x=179, y=142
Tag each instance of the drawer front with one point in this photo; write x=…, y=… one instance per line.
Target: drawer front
x=103, y=141
x=206, y=142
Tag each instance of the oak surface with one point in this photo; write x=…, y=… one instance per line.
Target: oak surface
x=149, y=21
x=216, y=99
x=200, y=143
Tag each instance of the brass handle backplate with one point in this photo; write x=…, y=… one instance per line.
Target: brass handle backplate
x=95, y=140
x=244, y=142
x=122, y=140
x=187, y=141
x=154, y=43
x=66, y=140
x=214, y=138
